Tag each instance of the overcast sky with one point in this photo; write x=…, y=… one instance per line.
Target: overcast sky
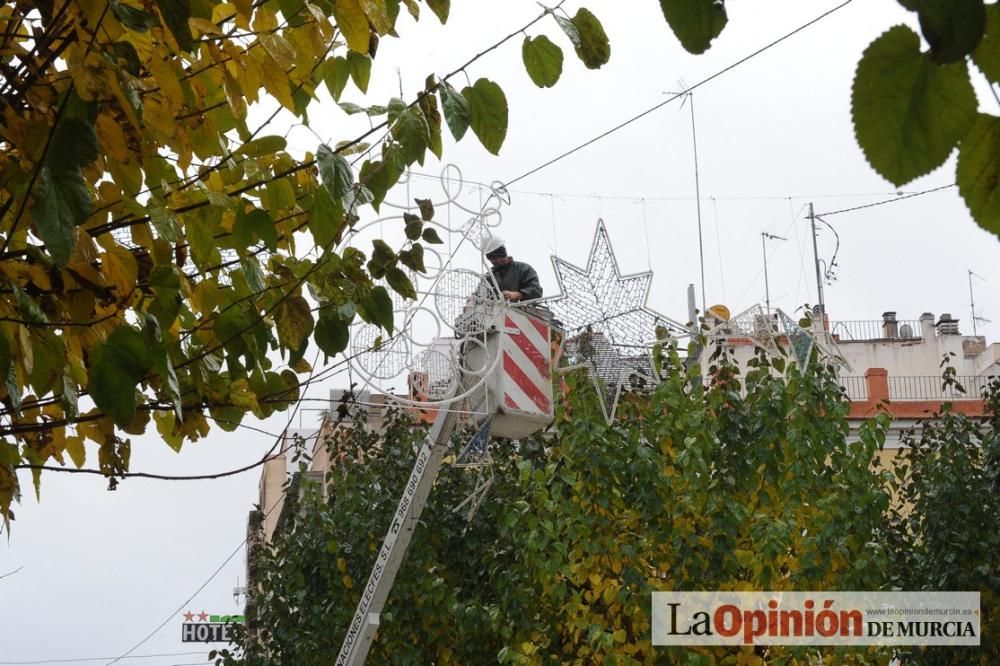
x=99, y=571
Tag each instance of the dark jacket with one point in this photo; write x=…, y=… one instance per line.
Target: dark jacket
x=518, y=276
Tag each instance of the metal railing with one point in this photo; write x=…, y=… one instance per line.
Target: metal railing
x=932, y=388
x=876, y=329
x=855, y=387
x=903, y=388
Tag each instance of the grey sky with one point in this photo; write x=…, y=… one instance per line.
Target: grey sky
x=101, y=570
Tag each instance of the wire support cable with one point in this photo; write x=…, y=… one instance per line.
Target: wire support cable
x=680, y=95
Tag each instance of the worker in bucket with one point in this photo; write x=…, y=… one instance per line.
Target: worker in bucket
x=516, y=280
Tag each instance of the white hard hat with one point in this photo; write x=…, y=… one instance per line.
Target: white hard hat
x=492, y=243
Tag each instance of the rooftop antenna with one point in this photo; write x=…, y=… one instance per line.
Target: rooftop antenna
x=828, y=274
x=972, y=303
x=239, y=591
x=688, y=96
x=763, y=246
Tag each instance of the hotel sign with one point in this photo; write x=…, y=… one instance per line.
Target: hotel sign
x=208, y=628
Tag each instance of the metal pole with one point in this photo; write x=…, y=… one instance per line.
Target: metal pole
x=364, y=624
x=972, y=304
x=819, y=277
x=697, y=199
x=767, y=289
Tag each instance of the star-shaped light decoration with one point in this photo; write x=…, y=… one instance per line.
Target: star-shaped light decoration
x=476, y=452
x=799, y=339
x=831, y=350
x=752, y=324
x=608, y=325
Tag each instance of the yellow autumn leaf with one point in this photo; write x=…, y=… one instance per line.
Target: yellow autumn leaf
x=378, y=14
x=275, y=80
x=341, y=565
x=165, y=77
x=353, y=24
x=121, y=270
x=111, y=137
x=279, y=48
x=76, y=450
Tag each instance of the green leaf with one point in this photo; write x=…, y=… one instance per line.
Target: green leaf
x=592, y=46
x=74, y=145
x=413, y=257
x=335, y=170
x=4, y=355
x=27, y=307
x=429, y=107
x=377, y=308
x=294, y=321
x=361, y=69
x=265, y=145
x=332, y=333
x=326, y=219
x=426, y=209
x=987, y=54
x=254, y=226
x=413, y=226
x=117, y=365
x=412, y=133
x=488, y=109
x=382, y=258
x=978, y=172
x=543, y=60
x=62, y=202
x=400, y=283
x=124, y=55
x=695, y=22
x=440, y=9
x=176, y=14
x=909, y=113
x=456, y=110
x=336, y=72
x=133, y=17
x=952, y=28
x=430, y=235
x=379, y=176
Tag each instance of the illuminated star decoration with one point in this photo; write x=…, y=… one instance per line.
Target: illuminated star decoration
x=608, y=326
x=476, y=455
x=476, y=452
x=752, y=324
x=799, y=339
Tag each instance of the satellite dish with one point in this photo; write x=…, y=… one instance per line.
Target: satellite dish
x=720, y=311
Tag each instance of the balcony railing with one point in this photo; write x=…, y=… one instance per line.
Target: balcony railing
x=856, y=388
x=874, y=329
x=933, y=388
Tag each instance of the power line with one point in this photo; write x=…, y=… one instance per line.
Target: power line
x=705, y=197
x=677, y=96
x=83, y=659
x=201, y=587
x=889, y=201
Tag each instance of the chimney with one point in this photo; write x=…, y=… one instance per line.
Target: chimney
x=890, y=328
x=927, y=325
x=946, y=325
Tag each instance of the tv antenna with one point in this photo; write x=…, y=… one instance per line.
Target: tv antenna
x=764, y=236
x=972, y=303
